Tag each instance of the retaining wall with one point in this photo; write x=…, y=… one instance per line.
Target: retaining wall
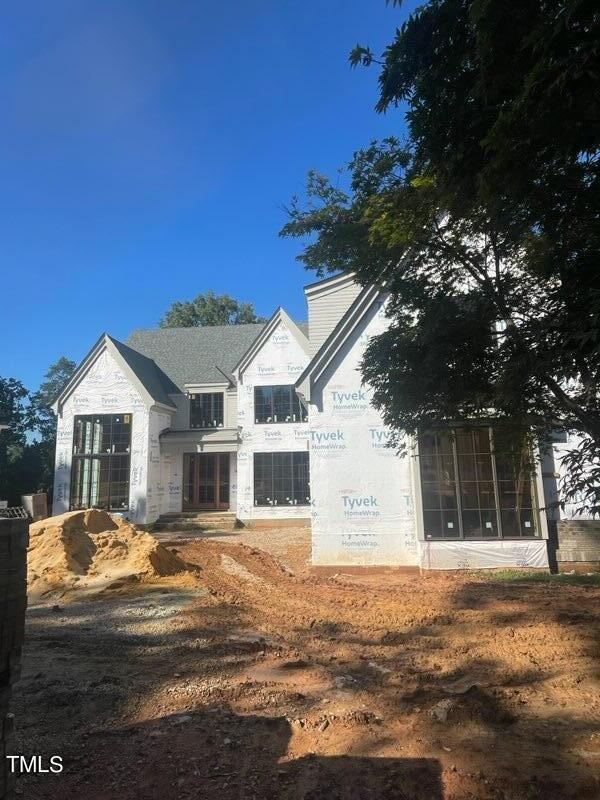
x=13, y=600
x=578, y=545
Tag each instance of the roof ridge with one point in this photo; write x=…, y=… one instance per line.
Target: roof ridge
x=198, y=327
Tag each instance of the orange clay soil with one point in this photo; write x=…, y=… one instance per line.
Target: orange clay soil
x=261, y=684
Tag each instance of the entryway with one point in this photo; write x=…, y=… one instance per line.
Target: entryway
x=205, y=481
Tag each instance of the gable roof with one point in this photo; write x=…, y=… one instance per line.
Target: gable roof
x=157, y=382
x=150, y=381
x=299, y=331
x=196, y=355
x=331, y=346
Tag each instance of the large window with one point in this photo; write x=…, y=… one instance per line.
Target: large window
x=281, y=479
x=278, y=404
x=474, y=487
x=100, y=469
x=206, y=410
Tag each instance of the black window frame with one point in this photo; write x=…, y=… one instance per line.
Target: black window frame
x=101, y=456
x=276, y=400
x=209, y=407
x=484, y=472
x=282, y=479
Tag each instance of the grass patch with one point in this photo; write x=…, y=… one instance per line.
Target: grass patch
x=524, y=576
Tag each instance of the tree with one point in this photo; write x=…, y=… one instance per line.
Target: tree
x=13, y=411
x=209, y=309
x=43, y=421
x=483, y=225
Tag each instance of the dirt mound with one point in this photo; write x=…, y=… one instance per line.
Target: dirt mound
x=91, y=547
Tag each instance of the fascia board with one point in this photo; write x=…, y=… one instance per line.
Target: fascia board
x=328, y=284
x=79, y=373
x=298, y=335
x=204, y=387
x=333, y=344
x=280, y=315
x=105, y=343
x=255, y=346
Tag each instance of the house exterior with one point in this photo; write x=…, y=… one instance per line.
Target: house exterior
x=273, y=422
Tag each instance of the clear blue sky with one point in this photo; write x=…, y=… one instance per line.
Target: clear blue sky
x=148, y=146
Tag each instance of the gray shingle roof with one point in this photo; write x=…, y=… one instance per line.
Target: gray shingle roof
x=156, y=382
x=195, y=355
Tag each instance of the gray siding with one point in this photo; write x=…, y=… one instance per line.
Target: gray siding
x=181, y=418
x=325, y=311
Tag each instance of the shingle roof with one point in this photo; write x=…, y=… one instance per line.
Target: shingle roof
x=156, y=382
x=195, y=355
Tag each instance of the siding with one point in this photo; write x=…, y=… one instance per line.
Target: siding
x=326, y=309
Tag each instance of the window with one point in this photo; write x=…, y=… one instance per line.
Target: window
x=281, y=479
x=278, y=404
x=206, y=410
x=473, y=487
x=101, y=460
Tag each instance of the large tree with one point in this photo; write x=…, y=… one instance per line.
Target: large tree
x=43, y=422
x=209, y=308
x=484, y=224
x=13, y=441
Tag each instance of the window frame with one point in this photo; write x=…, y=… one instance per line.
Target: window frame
x=295, y=404
x=193, y=397
x=296, y=483
x=86, y=452
x=459, y=483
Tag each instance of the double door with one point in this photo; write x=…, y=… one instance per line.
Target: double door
x=205, y=481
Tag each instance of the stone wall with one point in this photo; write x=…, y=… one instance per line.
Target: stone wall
x=13, y=597
x=578, y=545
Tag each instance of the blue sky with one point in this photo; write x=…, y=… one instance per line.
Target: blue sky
x=148, y=146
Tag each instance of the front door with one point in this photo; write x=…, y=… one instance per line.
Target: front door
x=206, y=481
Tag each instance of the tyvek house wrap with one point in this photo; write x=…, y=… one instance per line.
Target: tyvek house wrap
x=163, y=483
x=364, y=496
x=280, y=361
x=104, y=390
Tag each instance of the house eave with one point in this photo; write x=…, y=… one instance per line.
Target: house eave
x=280, y=315
x=331, y=346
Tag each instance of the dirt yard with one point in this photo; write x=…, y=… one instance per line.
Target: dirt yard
x=259, y=681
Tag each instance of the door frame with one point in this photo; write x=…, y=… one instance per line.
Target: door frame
x=195, y=505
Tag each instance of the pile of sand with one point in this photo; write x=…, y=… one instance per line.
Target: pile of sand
x=87, y=548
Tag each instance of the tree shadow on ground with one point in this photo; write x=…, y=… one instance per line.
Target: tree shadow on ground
x=499, y=733
x=229, y=756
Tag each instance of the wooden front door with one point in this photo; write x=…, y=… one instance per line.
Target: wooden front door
x=206, y=481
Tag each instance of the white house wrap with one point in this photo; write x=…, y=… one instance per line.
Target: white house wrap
x=279, y=359
x=200, y=438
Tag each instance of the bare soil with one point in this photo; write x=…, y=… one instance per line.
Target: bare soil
x=260, y=680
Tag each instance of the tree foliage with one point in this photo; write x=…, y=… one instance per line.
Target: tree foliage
x=13, y=412
x=43, y=420
x=484, y=225
x=209, y=308
x=27, y=464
